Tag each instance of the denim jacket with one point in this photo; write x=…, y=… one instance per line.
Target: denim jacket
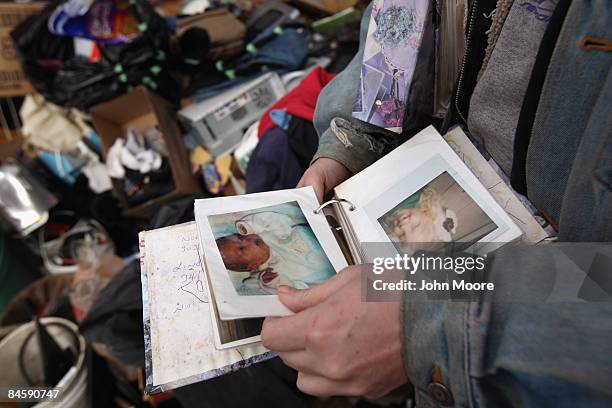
x=474, y=354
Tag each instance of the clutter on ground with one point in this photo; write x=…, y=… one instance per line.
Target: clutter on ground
x=115, y=115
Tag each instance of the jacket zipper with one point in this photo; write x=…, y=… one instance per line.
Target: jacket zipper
x=465, y=57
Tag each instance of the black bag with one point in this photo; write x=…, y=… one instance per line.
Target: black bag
x=50, y=64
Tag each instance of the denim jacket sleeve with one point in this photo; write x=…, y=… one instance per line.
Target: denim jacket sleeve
x=360, y=144
x=508, y=353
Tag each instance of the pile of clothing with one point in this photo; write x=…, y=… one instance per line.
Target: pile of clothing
x=64, y=142
x=139, y=163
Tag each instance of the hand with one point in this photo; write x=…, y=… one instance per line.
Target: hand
x=339, y=344
x=323, y=175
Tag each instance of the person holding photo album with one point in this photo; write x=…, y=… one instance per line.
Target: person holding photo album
x=534, y=93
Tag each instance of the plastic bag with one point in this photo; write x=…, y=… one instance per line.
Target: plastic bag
x=106, y=21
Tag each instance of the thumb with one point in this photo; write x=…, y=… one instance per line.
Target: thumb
x=314, y=180
x=297, y=300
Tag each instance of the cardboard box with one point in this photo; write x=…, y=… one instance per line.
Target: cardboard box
x=10, y=142
x=142, y=109
x=12, y=80
x=226, y=32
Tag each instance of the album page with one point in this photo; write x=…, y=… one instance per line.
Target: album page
x=421, y=196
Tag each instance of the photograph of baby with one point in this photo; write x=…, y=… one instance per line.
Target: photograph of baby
x=268, y=247
x=437, y=215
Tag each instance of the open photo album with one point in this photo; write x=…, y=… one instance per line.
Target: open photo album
x=207, y=285
x=421, y=196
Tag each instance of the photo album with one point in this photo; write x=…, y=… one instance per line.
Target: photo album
x=208, y=284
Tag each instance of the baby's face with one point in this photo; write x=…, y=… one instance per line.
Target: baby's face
x=245, y=252
x=415, y=225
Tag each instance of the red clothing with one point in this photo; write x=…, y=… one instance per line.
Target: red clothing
x=301, y=101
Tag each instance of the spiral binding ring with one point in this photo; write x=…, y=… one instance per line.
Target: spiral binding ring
x=334, y=201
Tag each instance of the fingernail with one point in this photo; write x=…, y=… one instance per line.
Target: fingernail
x=284, y=290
